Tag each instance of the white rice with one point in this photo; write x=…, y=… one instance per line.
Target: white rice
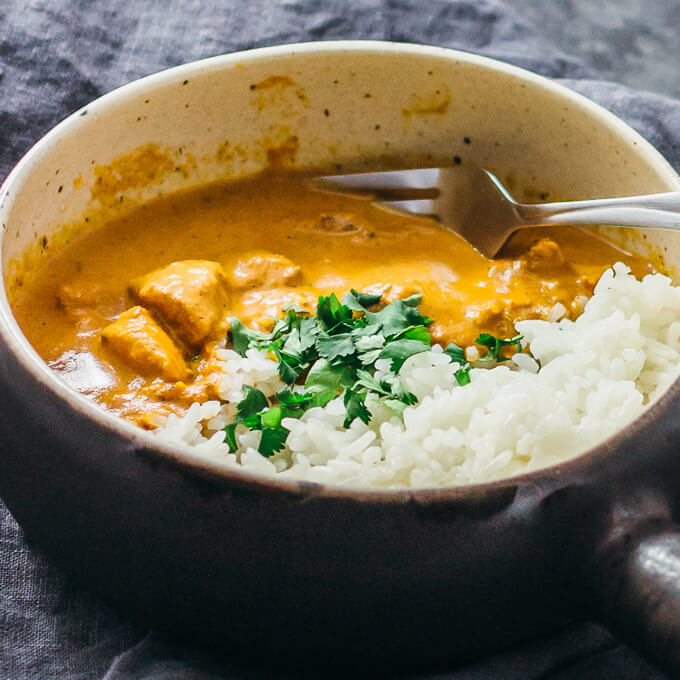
x=587, y=379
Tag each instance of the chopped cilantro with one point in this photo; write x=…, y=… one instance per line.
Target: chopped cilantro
x=397, y=407
x=462, y=375
x=368, y=382
x=366, y=299
x=355, y=406
x=324, y=377
x=271, y=417
x=334, y=347
x=290, y=366
x=416, y=333
x=495, y=346
x=393, y=318
x=243, y=337
x=364, y=342
x=332, y=314
x=456, y=353
x=273, y=440
x=402, y=349
x=252, y=403
x=230, y=436
x=334, y=353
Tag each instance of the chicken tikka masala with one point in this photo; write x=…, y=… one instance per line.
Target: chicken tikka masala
x=130, y=313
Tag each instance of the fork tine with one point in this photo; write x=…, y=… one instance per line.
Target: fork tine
x=419, y=178
x=393, y=185
x=380, y=193
x=424, y=207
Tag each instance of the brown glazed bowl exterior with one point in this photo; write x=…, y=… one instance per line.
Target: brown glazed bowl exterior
x=296, y=571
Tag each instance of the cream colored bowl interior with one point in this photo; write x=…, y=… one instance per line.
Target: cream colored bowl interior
x=347, y=105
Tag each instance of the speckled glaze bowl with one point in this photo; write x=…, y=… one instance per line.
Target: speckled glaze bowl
x=293, y=571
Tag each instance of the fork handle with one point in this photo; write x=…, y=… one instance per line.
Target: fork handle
x=658, y=211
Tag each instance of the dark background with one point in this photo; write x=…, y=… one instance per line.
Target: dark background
x=56, y=55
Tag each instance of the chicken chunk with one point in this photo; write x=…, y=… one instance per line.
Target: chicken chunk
x=78, y=293
x=264, y=270
x=137, y=339
x=88, y=304
x=189, y=296
x=545, y=256
x=259, y=309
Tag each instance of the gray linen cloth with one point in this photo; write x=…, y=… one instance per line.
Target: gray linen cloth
x=55, y=56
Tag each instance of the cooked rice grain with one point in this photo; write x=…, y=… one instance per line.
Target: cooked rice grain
x=588, y=379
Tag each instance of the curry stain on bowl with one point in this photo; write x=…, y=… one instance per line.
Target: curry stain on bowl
x=434, y=102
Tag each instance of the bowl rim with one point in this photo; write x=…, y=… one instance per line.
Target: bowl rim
x=189, y=461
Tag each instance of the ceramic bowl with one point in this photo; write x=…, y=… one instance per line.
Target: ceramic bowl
x=294, y=571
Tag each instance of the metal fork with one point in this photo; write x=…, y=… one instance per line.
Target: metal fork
x=474, y=203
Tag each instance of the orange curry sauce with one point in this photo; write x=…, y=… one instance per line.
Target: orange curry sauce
x=140, y=341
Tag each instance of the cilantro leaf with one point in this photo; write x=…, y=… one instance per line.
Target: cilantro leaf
x=413, y=300
x=355, y=407
x=400, y=350
x=308, y=331
x=396, y=406
x=368, y=347
x=495, y=345
x=299, y=311
x=323, y=376
x=462, y=375
x=369, y=358
x=394, y=318
x=291, y=399
x=253, y=422
x=281, y=327
x=290, y=367
x=350, y=301
x=366, y=299
x=365, y=342
x=271, y=417
x=334, y=347
x=456, y=353
x=253, y=402
x=287, y=372
x=397, y=389
x=296, y=403
x=416, y=333
x=366, y=330
x=322, y=398
x=243, y=338
x=273, y=440
x=230, y=436
x=293, y=344
x=335, y=352
x=300, y=338
x=366, y=380
x=390, y=390
x=332, y=313
x=399, y=316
